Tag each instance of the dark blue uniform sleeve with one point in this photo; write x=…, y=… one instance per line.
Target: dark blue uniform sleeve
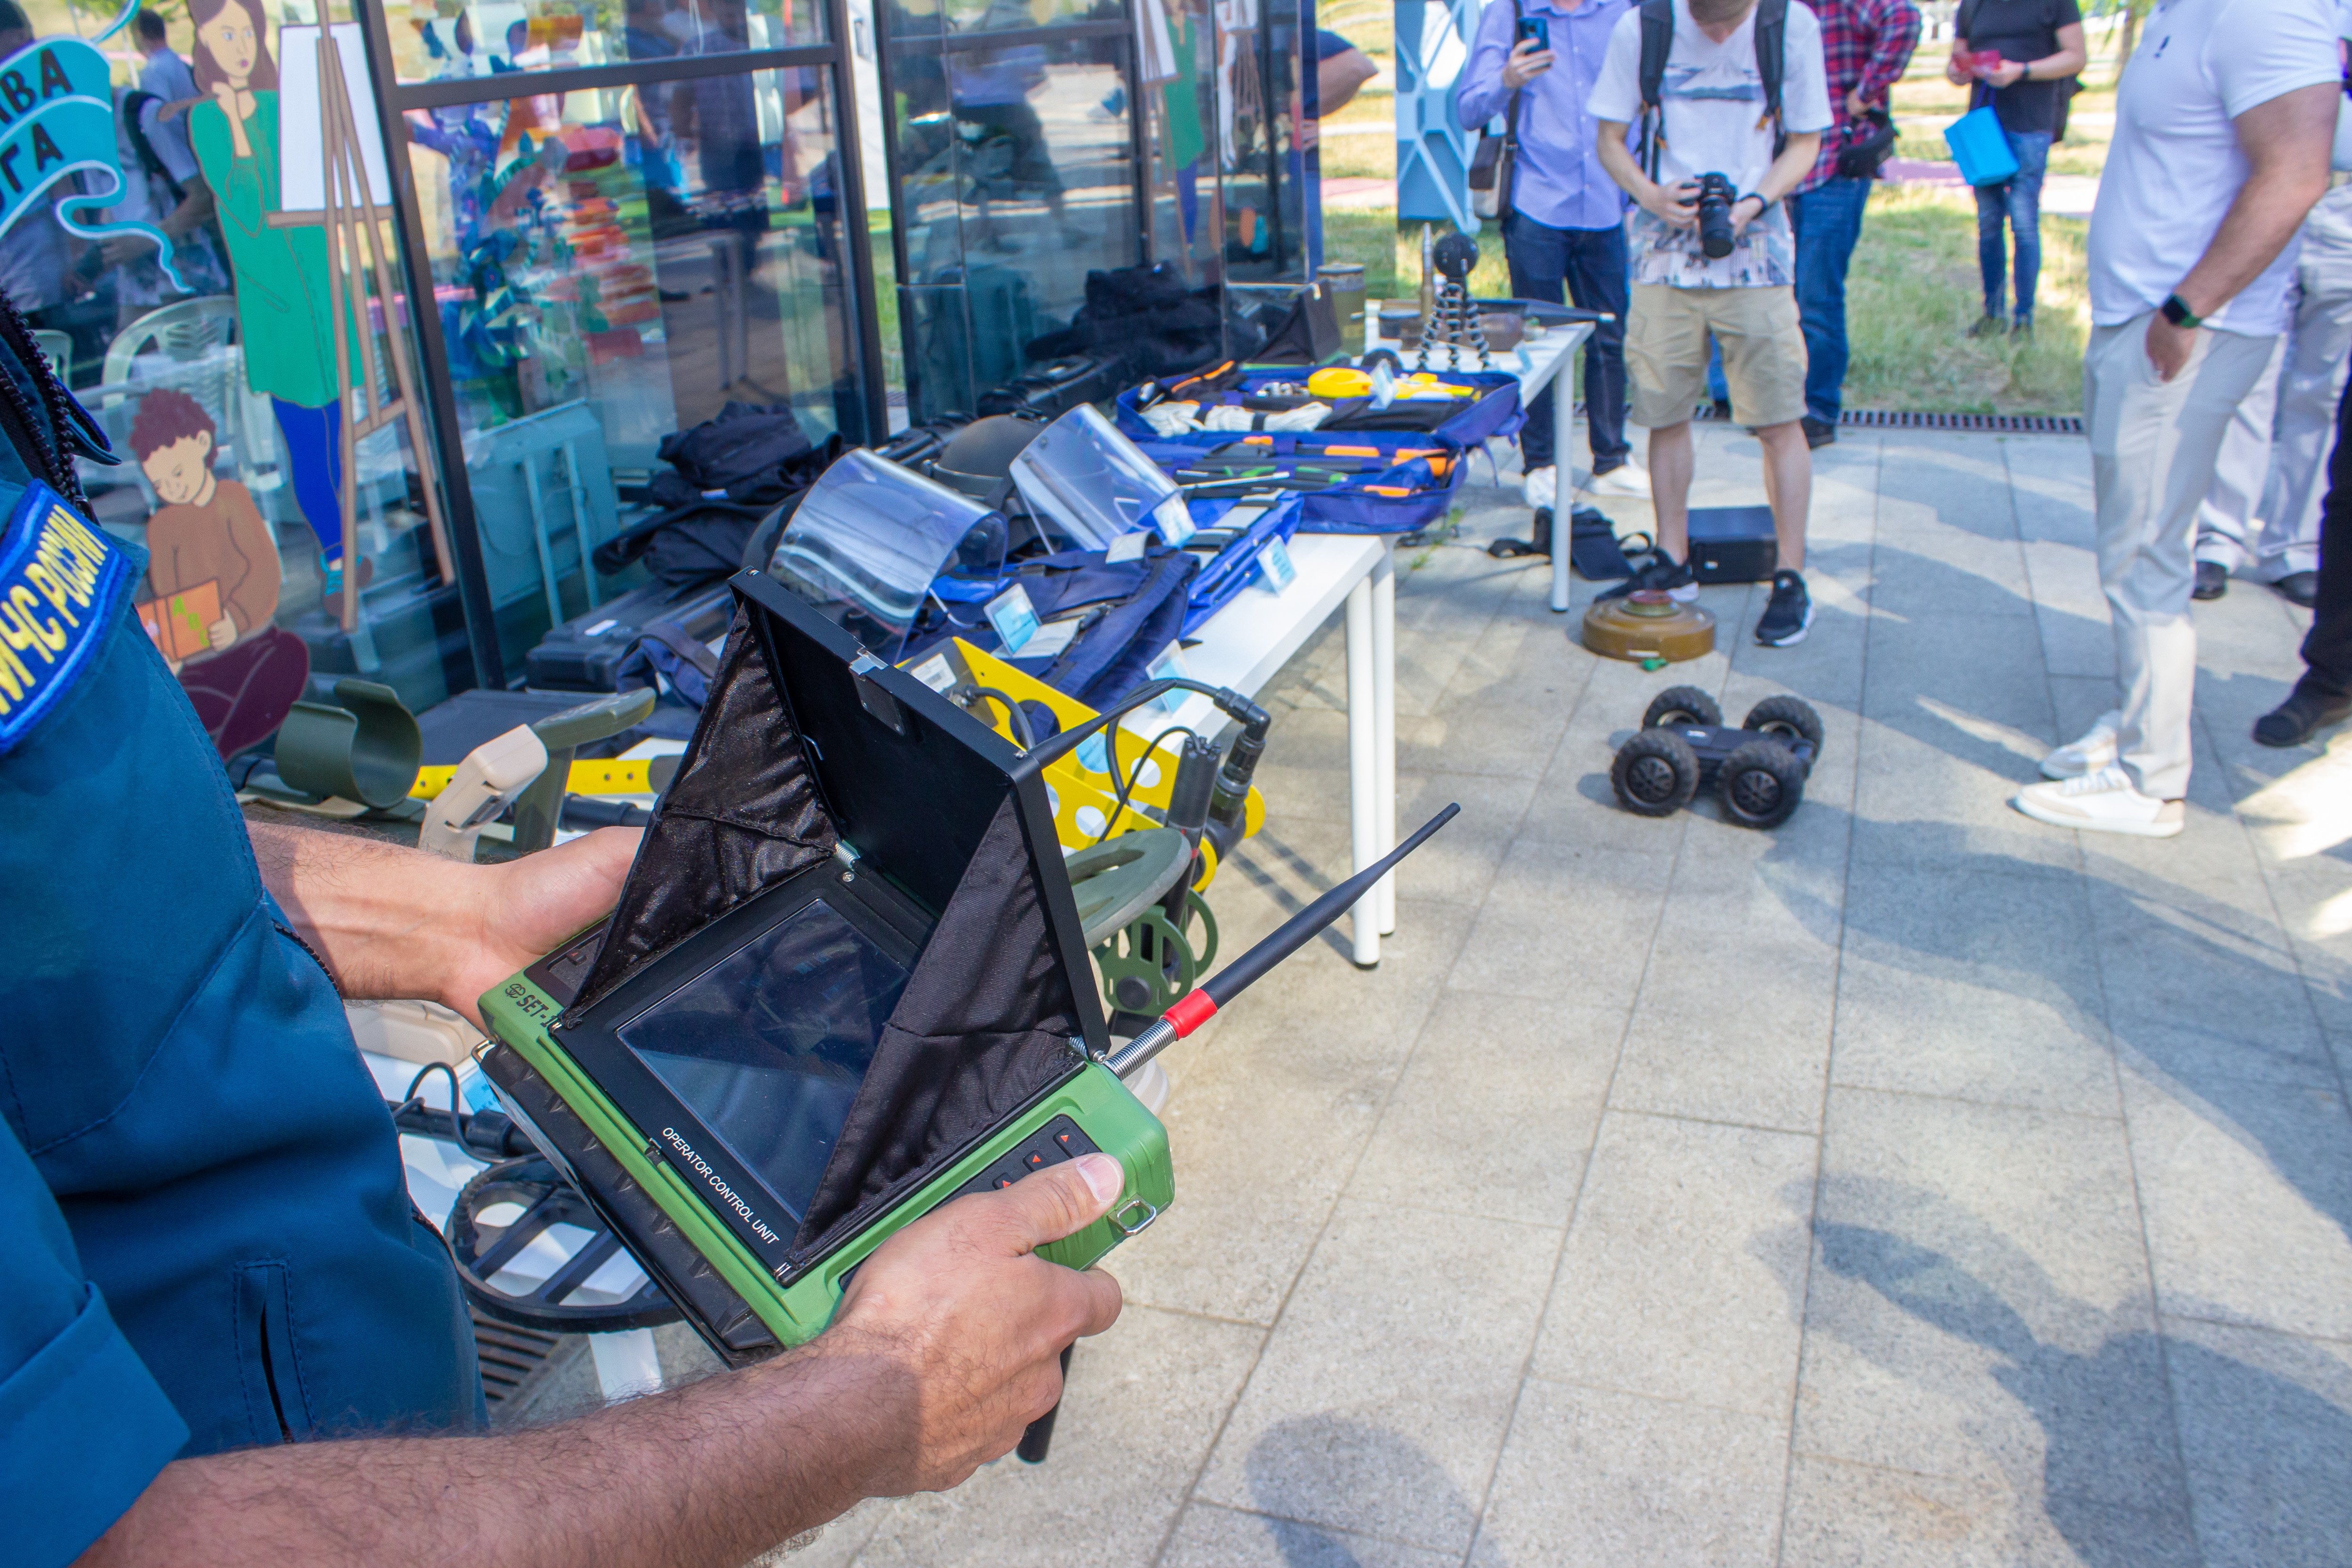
x=83, y=1426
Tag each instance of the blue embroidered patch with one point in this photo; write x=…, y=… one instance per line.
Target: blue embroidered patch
x=61, y=580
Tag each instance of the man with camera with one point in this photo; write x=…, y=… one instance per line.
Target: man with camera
x=2224, y=123
x=1865, y=44
x=1730, y=98
x=1532, y=63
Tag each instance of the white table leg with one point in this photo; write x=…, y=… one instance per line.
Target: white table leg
x=1384, y=721
x=627, y=1363
x=1363, y=771
x=1563, y=423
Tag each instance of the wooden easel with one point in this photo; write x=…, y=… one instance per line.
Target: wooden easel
x=351, y=212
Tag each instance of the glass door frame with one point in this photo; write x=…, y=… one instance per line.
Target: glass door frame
x=395, y=99
x=950, y=41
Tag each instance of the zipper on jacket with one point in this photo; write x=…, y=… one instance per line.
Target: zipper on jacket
x=290, y=934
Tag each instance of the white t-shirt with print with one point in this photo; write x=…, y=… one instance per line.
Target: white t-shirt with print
x=1714, y=124
x=2174, y=166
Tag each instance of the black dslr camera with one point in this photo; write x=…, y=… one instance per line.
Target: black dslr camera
x=1716, y=196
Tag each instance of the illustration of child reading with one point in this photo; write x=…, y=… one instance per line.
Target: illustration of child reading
x=282, y=313
x=213, y=575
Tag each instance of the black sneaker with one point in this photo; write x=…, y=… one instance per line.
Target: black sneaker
x=2299, y=588
x=1819, y=433
x=1789, y=615
x=2301, y=716
x=2212, y=581
x=1989, y=327
x=1671, y=578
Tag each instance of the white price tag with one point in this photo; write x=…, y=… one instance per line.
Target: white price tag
x=935, y=672
x=1275, y=570
x=1052, y=638
x=1127, y=547
x=1014, y=616
x=1174, y=520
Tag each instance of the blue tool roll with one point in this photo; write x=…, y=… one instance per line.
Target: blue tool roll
x=1495, y=412
x=1232, y=568
x=1354, y=505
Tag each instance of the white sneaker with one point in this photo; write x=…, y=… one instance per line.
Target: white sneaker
x=1624, y=479
x=2102, y=802
x=2096, y=750
x=1540, y=487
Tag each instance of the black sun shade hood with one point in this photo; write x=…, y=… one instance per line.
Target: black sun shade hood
x=807, y=744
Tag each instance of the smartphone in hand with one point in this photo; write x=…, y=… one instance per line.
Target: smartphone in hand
x=1535, y=30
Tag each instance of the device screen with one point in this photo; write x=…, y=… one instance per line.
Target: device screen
x=1536, y=30
x=769, y=1046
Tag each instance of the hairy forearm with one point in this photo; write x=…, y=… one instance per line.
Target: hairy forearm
x=387, y=921
x=2287, y=142
x=711, y=1474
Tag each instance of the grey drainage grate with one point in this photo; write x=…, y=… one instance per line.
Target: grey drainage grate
x=509, y=1355
x=1993, y=424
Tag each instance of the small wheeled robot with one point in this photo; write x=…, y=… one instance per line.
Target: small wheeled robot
x=1757, y=771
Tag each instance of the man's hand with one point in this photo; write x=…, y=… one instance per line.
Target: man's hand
x=954, y=1329
x=1528, y=61
x=2169, y=347
x=945, y=1348
x=391, y=922
x=1676, y=204
x=1745, y=211
x=523, y=910
x=2009, y=73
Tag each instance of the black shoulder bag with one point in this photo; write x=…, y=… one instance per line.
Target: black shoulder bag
x=1496, y=164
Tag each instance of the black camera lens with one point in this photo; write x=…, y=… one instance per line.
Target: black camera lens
x=1715, y=197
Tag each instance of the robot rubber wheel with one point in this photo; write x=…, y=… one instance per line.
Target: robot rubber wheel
x=1683, y=705
x=1655, y=773
x=1760, y=784
x=1789, y=716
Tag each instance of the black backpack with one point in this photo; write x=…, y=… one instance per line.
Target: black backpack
x=133, y=105
x=1771, y=37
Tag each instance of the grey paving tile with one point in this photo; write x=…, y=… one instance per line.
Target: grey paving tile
x=1140, y=1411
x=1979, y=1313
x=1381, y=1398
x=1458, y=865
x=1600, y=1479
x=1208, y=1536
x=2266, y=1428
x=1977, y=988
x=1497, y=1110
x=1695, y=1232
x=2248, y=1193
x=2071, y=609
x=1564, y=921
x=1863, y=1516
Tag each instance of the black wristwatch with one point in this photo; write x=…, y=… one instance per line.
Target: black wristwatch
x=2174, y=310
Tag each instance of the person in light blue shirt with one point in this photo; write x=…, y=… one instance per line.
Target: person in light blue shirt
x=1563, y=230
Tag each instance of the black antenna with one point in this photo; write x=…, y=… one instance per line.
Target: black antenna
x=1196, y=1007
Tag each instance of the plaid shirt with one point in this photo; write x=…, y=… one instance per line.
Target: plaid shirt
x=1864, y=44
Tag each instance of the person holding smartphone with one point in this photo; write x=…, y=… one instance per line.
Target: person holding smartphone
x=2019, y=56
x=1534, y=62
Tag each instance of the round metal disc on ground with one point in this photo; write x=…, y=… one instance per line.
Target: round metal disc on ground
x=1648, y=625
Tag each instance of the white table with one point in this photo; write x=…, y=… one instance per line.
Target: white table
x=1537, y=362
x=1241, y=646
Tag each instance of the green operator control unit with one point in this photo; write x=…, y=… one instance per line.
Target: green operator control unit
x=846, y=982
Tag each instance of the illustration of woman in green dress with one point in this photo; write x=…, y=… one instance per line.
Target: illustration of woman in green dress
x=281, y=273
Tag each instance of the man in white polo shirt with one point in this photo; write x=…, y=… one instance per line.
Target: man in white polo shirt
x=2224, y=122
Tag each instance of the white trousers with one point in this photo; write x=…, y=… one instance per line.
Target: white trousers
x=2153, y=445
x=2260, y=517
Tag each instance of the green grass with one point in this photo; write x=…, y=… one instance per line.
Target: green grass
x=1913, y=291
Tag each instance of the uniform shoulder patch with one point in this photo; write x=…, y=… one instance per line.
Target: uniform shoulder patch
x=61, y=580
